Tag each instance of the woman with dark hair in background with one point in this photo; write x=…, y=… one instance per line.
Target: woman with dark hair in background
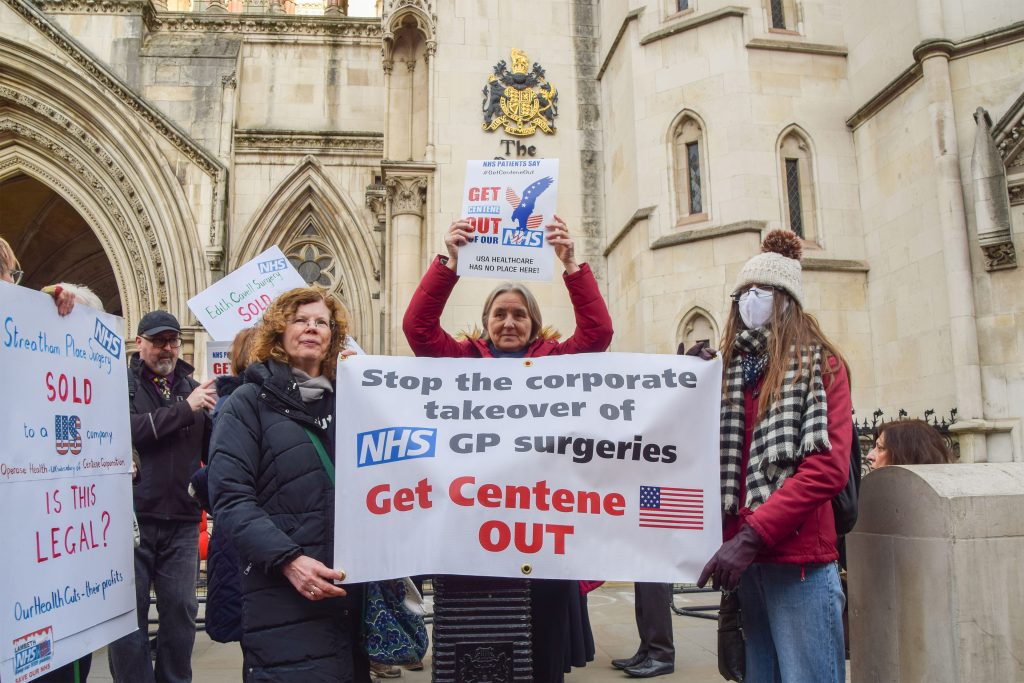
x=909, y=442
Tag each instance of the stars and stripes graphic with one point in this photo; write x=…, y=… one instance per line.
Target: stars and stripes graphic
x=666, y=507
x=511, y=197
x=534, y=221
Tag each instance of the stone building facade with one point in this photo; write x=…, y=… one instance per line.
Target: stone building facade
x=147, y=148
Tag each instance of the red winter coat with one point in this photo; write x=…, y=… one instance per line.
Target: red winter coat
x=796, y=522
x=422, y=322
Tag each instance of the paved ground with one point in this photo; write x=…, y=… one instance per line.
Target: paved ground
x=611, y=615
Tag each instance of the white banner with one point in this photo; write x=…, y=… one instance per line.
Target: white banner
x=591, y=466
x=508, y=202
x=239, y=299
x=65, y=486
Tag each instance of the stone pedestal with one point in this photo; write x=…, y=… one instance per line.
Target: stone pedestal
x=481, y=630
x=936, y=584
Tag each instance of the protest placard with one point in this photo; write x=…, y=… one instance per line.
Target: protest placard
x=508, y=202
x=591, y=466
x=239, y=299
x=65, y=485
x=218, y=359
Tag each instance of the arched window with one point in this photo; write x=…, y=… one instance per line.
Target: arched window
x=697, y=326
x=689, y=169
x=796, y=170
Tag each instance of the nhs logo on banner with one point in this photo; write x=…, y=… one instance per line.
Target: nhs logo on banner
x=395, y=443
x=272, y=265
x=522, y=238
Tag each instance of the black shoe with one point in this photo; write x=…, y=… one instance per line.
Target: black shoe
x=650, y=668
x=636, y=659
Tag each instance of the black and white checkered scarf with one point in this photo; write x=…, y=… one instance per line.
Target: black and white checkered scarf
x=795, y=425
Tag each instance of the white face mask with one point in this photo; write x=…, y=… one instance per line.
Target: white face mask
x=756, y=307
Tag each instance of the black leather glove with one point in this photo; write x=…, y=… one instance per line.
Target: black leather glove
x=728, y=564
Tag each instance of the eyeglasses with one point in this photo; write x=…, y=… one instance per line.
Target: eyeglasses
x=318, y=323
x=759, y=292
x=16, y=275
x=164, y=342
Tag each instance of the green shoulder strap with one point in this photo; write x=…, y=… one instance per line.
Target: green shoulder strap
x=324, y=460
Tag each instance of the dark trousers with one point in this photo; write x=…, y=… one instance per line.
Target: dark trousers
x=654, y=620
x=167, y=558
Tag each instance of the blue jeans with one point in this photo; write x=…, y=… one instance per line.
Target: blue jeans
x=793, y=623
x=167, y=558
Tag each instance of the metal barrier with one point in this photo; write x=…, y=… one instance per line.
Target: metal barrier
x=700, y=611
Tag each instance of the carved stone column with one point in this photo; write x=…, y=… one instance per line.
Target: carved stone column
x=991, y=203
x=407, y=196
x=934, y=55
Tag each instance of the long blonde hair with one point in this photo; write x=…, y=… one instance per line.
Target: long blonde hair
x=791, y=327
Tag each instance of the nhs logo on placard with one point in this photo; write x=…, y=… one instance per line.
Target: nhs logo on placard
x=395, y=443
x=272, y=265
x=522, y=238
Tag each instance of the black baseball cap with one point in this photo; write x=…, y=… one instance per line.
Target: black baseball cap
x=157, y=322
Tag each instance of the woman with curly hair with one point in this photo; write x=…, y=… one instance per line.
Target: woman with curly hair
x=787, y=428
x=272, y=489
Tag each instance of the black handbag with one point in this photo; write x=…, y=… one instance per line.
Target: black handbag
x=732, y=654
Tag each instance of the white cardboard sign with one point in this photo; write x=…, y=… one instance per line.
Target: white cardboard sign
x=239, y=299
x=590, y=466
x=65, y=485
x=508, y=202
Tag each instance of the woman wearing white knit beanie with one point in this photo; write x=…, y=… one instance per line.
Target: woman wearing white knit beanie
x=785, y=444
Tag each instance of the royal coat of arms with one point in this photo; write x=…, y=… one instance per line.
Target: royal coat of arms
x=520, y=99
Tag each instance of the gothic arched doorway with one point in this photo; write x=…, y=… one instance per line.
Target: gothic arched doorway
x=53, y=242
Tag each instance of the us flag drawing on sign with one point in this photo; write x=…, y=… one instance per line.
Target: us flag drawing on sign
x=666, y=507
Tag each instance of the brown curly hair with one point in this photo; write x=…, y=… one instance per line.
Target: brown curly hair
x=267, y=339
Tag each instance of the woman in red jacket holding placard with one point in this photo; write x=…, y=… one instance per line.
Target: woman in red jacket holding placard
x=513, y=328
x=785, y=444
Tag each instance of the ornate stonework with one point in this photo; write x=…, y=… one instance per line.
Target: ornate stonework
x=116, y=174
x=299, y=142
x=408, y=194
x=72, y=162
x=1016, y=194
x=119, y=89
x=1000, y=256
x=93, y=6
x=360, y=30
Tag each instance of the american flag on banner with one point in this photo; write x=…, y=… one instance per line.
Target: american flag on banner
x=666, y=507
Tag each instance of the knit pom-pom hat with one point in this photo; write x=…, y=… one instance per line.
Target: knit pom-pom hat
x=777, y=265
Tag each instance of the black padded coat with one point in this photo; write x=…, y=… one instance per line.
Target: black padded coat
x=269, y=488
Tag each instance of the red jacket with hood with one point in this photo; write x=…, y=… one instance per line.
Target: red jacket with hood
x=422, y=322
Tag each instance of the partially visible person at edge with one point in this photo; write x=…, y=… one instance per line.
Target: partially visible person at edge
x=909, y=442
x=785, y=443
x=223, y=582
x=170, y=428
x=78, y=670
x=513, y=328
x=273, y=493
x=10, y=271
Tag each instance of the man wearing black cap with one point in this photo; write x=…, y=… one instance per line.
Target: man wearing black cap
x=171, y=432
